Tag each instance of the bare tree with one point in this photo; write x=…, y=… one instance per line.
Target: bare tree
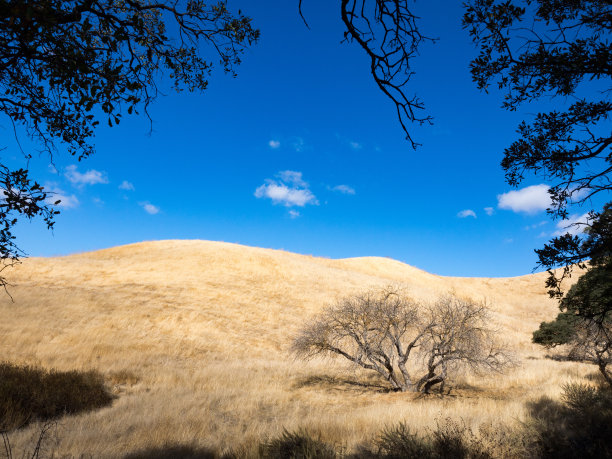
x=459, y=337
x=388, y=332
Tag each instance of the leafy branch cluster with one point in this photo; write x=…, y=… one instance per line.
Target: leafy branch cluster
x=536, y=48
x=64, y=65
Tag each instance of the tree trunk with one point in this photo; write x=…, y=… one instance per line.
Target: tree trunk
x=602, y=363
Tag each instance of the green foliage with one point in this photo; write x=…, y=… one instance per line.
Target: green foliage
x=578, y=426
x=585, y=320
x=28, y=394
x=296, y=445
x=591, y=296
x=560, y=331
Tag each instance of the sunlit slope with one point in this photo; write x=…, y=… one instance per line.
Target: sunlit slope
x=193, y=289
x=206, y=326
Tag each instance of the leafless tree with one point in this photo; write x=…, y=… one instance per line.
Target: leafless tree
x=392, y=334
x=459, y=337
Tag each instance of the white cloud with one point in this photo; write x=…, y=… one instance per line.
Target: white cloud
x=578, y=194
x=127, y=186
x=574, y=225
x=91, y=177
x=150, y=208
x=274, y=144
x=292, y=177
x=344, y=189
x=294, y=213
x=466, y=213
x=530, y=200
x=298, y=144
x=489, y=211
x=55, y=194
x=280, y=193
x=536, y=225
x=289, y=190
x=355, y=145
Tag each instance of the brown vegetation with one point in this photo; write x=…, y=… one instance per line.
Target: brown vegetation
x=194, y=339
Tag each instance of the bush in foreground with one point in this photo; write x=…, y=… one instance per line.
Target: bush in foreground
x=297, y=445
x=580, y=425
x=28, y=394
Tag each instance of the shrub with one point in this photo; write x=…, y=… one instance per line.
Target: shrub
x=28, y=394
x=450, y=439
x=580, y=425
x=399, y=442
x=297, y=445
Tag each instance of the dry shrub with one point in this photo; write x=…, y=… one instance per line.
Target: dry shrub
x=580, y=425
x=449, y=439
x=297, y=445
x=28, y=394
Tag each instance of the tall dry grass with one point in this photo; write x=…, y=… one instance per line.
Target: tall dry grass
x=193, y=338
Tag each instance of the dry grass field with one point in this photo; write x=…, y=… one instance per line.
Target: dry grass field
x=193, y=338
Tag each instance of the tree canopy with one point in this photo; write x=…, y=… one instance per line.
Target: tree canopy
x=533, y=49
x=65, y=66
x=586, y=320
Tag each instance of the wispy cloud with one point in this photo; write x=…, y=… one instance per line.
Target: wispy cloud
x=294, y=213
x=355, y=145
x=289, y=189
x=466, y=213
x=344, y=189
x=127, y=186
x=530, y=200
x=91, y=177
x=535, y=225
x=149, y=208
x=292, y=177
x=54, y=194
x=274, y=144
x=489, y=211
x=298, y=144
x=575, y=224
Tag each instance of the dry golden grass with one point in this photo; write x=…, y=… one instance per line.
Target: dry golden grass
x=193, y=338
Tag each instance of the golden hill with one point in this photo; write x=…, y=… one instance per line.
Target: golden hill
x=194, y=335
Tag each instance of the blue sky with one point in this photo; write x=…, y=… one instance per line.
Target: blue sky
x=302, y=152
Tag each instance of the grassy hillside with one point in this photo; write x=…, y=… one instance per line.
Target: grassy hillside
x=193, y=337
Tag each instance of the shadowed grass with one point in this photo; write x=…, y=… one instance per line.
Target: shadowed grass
x=578, y=426
x=29, y=394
